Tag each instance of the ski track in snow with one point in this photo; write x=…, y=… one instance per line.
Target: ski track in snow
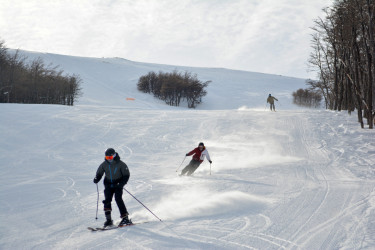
x=285, y=189
x=294, y=179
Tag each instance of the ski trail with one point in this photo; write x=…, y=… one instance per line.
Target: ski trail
x=315, y=212
x=276, y=241
x=279, y=181
x=346, y=212
x=302, y=143
x=214, y=240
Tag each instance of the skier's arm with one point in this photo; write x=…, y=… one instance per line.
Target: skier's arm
x=191, y=152
x=125, y=175
x=208, y=156
x=99, y=174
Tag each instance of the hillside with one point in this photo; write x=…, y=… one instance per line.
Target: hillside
x=109, y=81
x=294, y=179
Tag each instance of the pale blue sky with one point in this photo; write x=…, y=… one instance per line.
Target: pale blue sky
x=269, y=36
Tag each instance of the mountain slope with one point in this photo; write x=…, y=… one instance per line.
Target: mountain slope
x=109, y=81
x=294, y=179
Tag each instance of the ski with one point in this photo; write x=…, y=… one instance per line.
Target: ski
x=94, y=229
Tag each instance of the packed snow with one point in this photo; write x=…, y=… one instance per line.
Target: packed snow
x=291, y=179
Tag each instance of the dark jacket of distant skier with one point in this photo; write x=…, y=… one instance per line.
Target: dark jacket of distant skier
x=116, y=177
x=271, y=101
x=199, y=154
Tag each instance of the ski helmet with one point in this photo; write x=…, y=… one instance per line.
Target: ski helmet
x=201, y=144
x=109, y=152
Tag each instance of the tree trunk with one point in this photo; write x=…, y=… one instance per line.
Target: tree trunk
x=371, y=89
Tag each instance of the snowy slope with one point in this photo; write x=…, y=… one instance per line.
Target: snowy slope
x=109, y=81
x=295, y=179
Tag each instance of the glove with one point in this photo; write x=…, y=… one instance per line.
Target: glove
x=187, y=154
x=96, y=180
x=210, y=162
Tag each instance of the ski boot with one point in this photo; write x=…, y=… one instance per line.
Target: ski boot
x=108, y=223
x=125, y=221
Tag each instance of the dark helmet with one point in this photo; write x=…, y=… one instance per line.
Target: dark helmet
x=110, y=152
x=201, y=144
x=269, y=95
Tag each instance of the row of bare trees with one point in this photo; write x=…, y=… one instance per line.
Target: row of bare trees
x=344, y=56
x=307, y=98
x=34, y=82
x=174, y=87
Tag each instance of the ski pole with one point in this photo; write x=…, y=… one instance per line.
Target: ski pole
x=97, y=201
x=181, y=164
x=210, y=168
x=143, y=205
x=154, y=214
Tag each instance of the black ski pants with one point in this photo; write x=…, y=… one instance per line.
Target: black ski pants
x=108, y=194
x=189, y=169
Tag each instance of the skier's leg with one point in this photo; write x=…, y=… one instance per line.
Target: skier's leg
x=120, y=202
x=191, y=171
x=187, y=168
x=108, y=194
x=194, y=167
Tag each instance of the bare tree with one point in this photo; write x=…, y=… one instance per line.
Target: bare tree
x=344, y=56
x=307, y=98
x=35, y=82
x=174, y=87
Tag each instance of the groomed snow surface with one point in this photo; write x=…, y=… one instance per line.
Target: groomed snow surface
x=294, y=179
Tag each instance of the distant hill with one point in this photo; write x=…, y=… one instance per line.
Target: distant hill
x=109, y=81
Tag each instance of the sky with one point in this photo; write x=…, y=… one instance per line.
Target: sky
x=267, y=36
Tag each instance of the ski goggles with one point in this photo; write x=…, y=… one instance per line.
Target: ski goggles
x=110, y=157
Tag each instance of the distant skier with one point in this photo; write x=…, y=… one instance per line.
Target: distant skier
x=116, y=176
x=271, y=101
x=199, y=154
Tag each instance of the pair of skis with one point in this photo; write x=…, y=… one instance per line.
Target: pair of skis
x=95, y=229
